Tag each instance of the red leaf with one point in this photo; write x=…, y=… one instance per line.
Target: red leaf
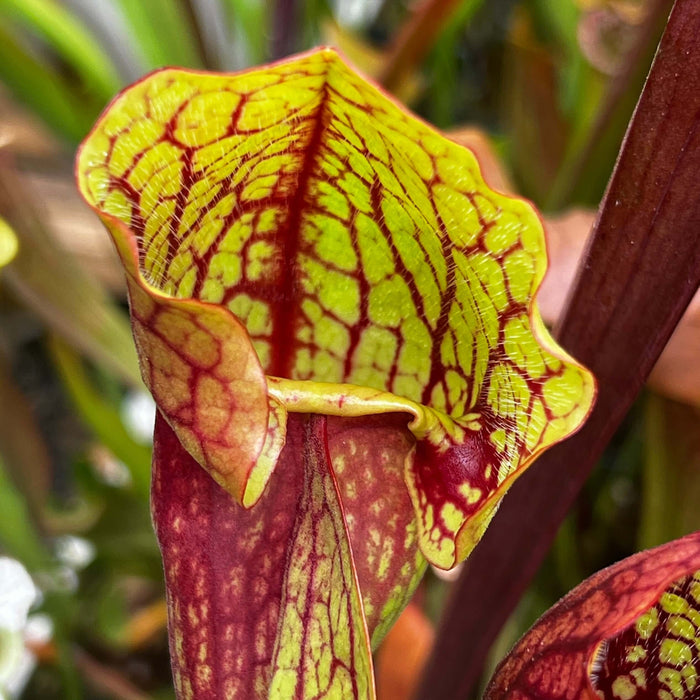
x=232, y=572
x=658, y=656
x=556, y=657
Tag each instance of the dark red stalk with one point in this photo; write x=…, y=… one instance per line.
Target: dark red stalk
x=415, y=39
x=197, y=523
x=636, y=279
x=285, y=25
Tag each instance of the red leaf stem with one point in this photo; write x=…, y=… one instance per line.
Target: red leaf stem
x=639, y=274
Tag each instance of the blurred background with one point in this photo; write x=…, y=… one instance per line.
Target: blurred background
x=542, y=90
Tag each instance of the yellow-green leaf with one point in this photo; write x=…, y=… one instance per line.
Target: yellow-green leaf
x=8, y=243
x=356, y=245
x=296, y=243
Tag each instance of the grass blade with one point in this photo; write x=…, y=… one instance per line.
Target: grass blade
x=163, y=33
x=70, y=39
x=44, y=90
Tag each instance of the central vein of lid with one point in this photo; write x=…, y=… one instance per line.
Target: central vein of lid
x=290, y=240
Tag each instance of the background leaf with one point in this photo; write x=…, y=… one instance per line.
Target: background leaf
x=163, y=32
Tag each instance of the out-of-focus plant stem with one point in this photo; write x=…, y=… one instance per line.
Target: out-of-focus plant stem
x=671, y=480
x=162, y=32
x=70, y=39
x=285, y=28
x=101, y=417
x=22, y=448
x=18, y=535
x=247, y=22
x=47, y=280
x=47, y=92
x=417, y=36
x=589, y=158
x=105, y=679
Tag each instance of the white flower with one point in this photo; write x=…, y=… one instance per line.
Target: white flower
x=75, y=552
x=138, y=412
x=17, y=594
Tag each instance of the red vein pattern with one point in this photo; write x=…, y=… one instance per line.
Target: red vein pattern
x=239, y=581
x=368, y=456
x=561, y=655
x=657, y=658
x=295, y=221
x=321, y=609
x=204, y=374
x=356, y=245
